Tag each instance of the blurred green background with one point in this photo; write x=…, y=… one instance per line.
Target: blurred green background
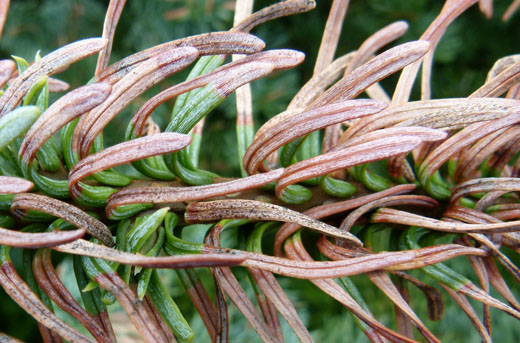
x=465, y=54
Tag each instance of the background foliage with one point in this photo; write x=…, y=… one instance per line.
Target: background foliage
x=462, y=60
